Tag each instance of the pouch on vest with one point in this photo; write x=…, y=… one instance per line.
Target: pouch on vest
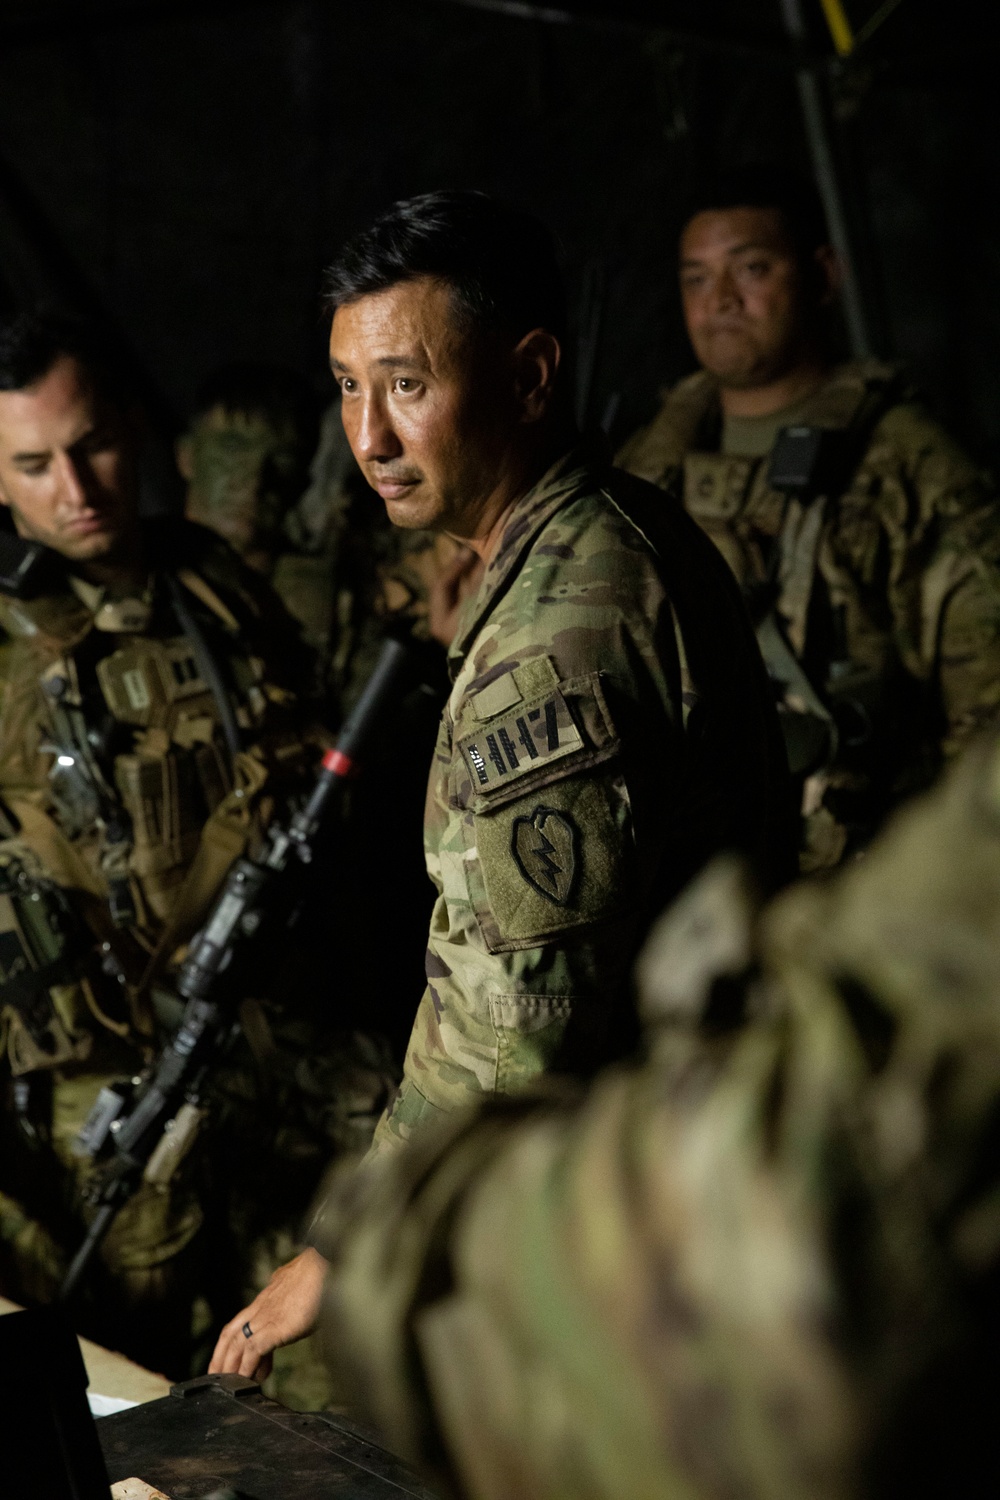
x=808, y=461
x=40, y=945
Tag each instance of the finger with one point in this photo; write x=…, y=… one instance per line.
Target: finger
x=225, y=1360
x=252, y=1360
x=229, y=1349
x=216, y=1365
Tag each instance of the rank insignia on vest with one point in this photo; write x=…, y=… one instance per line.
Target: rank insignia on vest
x=524, y=740
x=544, y=849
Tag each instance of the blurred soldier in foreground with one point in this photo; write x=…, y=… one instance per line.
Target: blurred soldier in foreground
x=763, y=1263
x=156, y=715
x=865, y=541
x=608, y=729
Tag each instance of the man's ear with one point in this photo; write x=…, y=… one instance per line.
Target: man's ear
x=184, y=456
x=829, y=273
x=536, y=366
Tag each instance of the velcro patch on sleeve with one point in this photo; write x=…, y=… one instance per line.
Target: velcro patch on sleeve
x=552, y=861
x=527, y=739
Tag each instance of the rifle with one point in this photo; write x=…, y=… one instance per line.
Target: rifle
x=150, y=1127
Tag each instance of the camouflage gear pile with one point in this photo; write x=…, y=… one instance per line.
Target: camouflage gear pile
x=764, y=1262
x=877, y=594
x=608, y=730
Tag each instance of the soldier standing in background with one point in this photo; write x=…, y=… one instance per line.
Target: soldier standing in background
x=332, y=557
x=865, y=541
x=609, y=725
x=764, y=1262
x=157, y=713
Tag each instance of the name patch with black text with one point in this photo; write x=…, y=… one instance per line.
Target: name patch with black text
x=526, y=739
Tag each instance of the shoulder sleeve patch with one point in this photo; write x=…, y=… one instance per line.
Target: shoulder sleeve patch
x=552, y=862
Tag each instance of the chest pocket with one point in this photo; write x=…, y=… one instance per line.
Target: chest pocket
x=546, y=821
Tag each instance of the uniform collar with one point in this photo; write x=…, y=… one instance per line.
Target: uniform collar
x=578, y=471
x=834, y=402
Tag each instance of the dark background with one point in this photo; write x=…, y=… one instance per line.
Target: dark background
x=189, y=168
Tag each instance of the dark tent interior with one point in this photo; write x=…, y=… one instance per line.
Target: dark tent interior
x=182, y=174
x=190, y=168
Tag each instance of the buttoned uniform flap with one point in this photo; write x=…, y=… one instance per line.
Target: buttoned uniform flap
x=511, y=741
x=529, y=1030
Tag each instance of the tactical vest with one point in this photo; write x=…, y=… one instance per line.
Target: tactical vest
x=772, y=528
x=121, y=788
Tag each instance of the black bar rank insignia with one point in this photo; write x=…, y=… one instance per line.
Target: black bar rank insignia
x=526, y=739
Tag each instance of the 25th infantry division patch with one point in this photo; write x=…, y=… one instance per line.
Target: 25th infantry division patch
x=544, y=847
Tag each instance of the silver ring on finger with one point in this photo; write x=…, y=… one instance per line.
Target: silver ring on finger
x=247, y=1331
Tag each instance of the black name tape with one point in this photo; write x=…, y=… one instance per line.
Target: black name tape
x=526, y=739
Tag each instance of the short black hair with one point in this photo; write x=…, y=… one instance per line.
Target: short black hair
x=500, y=261
x=765, y=185
x=32, y=342
x=247, y=388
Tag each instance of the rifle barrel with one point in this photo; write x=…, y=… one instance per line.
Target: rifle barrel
x=99, y=1226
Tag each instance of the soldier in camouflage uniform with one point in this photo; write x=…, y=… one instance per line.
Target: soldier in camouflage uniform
x=764, y=1262
x=608, y=726
x=155, y=716
x=245, y=457
x=865, y=540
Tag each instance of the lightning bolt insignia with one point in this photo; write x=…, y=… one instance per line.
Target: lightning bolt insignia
x=545, y=853
x=544, y=847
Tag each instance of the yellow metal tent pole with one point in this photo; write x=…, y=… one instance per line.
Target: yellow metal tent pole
x=840, y=26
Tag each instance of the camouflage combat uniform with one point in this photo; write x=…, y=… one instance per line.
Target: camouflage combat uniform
x=608, y=729
x=765, y=1262
x=116, y=685
x=874, y=584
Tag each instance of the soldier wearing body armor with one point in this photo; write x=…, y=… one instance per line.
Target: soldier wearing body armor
x=865, y=540
x=155, y=716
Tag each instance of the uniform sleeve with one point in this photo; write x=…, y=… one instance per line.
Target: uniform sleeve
x=954, y=548
x=750, y=1267
x=546, y=823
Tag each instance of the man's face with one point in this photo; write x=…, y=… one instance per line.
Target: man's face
x=67, y=466
x=244, y=472
x=429, y=408
x=748, y=315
